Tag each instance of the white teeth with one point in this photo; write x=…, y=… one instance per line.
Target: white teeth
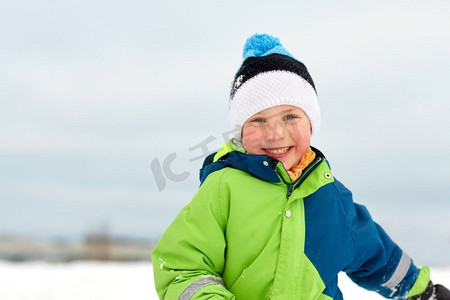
x=278, y=151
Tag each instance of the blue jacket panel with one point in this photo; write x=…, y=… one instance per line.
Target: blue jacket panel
x=341, y=236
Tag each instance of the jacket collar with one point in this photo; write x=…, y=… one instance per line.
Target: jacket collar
x=232, y=154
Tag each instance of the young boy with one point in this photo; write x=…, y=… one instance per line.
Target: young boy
x=269, y=220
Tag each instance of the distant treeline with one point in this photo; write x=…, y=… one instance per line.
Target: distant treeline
x=94, y=247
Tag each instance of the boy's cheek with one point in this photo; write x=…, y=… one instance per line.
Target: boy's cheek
x=249, y=133
x=253, y=146
x=251, y=141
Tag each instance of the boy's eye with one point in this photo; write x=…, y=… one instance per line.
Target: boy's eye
x=258, y=120
x=290, y=117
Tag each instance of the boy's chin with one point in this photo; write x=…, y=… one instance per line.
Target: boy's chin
x=287, y=166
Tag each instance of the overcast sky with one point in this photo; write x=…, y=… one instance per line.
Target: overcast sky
x=93, y=92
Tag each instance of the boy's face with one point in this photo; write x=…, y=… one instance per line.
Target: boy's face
x=282, y=132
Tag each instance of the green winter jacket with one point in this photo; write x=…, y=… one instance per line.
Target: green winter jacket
x=250, y=233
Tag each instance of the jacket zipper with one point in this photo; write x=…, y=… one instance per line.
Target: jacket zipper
x=292, y=186
x=289, y=190
x=307, y=171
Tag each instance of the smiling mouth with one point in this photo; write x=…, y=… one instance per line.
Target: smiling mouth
x=278, y=150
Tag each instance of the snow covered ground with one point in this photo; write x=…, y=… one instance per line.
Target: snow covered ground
x=111, y=281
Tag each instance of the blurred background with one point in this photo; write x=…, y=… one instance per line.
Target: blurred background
x=108, y=108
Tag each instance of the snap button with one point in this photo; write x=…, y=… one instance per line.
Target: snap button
x=265, y=163
x=327, y=175
x=287, y=213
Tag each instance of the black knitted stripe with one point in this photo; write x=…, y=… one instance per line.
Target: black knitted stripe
x=252, y=66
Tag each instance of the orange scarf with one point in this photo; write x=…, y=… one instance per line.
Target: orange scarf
x=306, y=159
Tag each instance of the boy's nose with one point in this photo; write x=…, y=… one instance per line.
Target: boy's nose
x=275, y=131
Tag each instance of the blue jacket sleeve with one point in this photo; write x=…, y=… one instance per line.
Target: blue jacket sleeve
x=378, y=263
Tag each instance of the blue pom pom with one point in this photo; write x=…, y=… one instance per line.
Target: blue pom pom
x=262, y=45
x=258, y=44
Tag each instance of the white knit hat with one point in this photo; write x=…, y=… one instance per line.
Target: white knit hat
x=271, y=76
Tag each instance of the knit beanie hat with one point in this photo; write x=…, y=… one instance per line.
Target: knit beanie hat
x=271, y=76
